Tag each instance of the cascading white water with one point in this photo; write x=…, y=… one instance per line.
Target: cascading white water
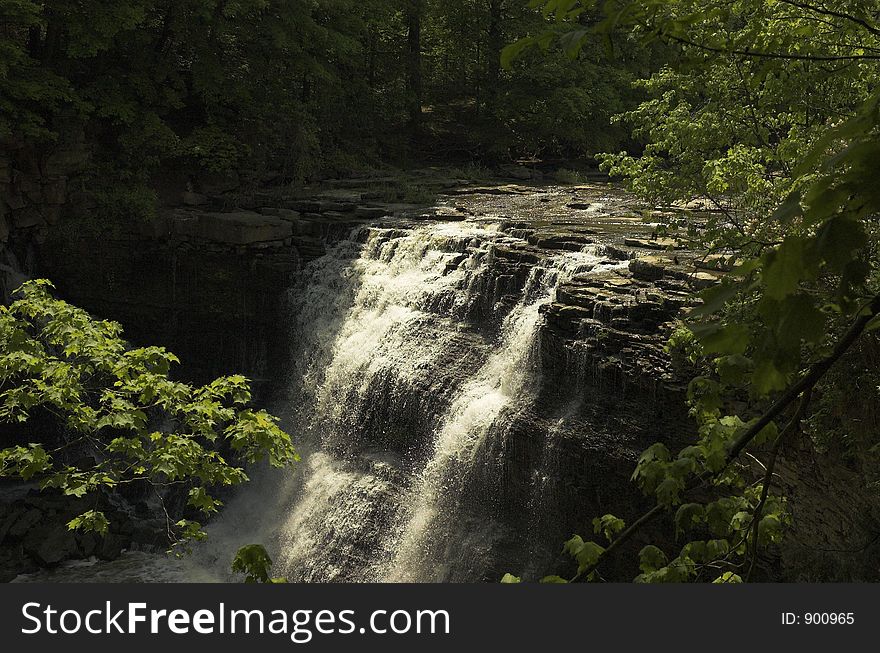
x=373, y=505
x=460, y=437
x=414, y=349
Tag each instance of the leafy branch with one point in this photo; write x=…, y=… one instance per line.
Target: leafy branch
x=123, y=419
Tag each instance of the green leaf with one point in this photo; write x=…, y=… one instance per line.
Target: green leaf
x=786, y=267
x=253, y=560
x=651, y=559
x=837, y=239
x=729, y=339
x=91, y=521
x=509, y=579
x=768, y=378
x=687, y=516
x=609, y=525
x=553, y=580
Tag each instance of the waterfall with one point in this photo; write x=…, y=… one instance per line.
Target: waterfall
x=409, y=360
x=414, y=352
x=459, y=440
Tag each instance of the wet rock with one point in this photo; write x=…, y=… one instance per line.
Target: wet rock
x=653, y=243
x=284, y=214
x=616, y=253
x=14, y=562
x=370, y=212
x=648, y=268
x=50, y=546
x=303, y=206
x=27, y=218
x=149, y=533
x=87, y=544
x=701, y=280
x=111, y=546
x=566, y=242
x=24, y=524
x=334, y=207
x=242, y=228
x=515, y=255
x=12, y=515
x=190, y=198
x=55, y=191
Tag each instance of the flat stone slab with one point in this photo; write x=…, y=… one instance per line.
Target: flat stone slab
x=657, y=243
x=241, y=228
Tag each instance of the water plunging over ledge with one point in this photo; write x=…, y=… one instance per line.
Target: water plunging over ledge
x=416, y=350
x=413, y=352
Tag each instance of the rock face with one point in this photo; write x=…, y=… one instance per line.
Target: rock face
x=207, y=283
x=239, y=228
x=35, y=188
x=212, y=285
x=34, y=533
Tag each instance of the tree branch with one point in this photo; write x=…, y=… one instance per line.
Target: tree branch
x=770, y=55
x=793, y=424
x=836, y=14
x=805, y=385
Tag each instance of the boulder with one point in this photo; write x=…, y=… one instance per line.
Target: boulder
x=55, y=191
x=193, y=199
x=647, y=268
x=111, y=546
x=48, y=547
x=24, y=523
x=370, y=212
x=87, y=544
x=701, y=280
x=27, y=218
x=14, y=562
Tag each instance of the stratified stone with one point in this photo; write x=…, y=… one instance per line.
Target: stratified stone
x=194, y=199
x=242, y=228
x=647, y=268
x=701, y=280
x=653, y=243
x=50, y=547
x=370, y=212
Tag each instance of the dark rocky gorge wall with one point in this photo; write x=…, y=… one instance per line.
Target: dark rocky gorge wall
x=470, y=383
x=476, y=388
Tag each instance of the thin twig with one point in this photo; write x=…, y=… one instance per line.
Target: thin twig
x=793, y=425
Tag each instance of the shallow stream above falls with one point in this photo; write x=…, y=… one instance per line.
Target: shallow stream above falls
x=466, y=386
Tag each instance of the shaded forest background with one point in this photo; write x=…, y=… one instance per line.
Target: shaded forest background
x=765, y=112
x=295, y=90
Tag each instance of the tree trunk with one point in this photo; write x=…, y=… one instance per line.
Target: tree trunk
x=414, y=64
x=493, y=55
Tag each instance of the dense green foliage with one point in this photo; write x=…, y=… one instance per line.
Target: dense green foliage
x=119, y=419
x=772, y=115
x=270, y=87
x=765, y=111
x=254, y=562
